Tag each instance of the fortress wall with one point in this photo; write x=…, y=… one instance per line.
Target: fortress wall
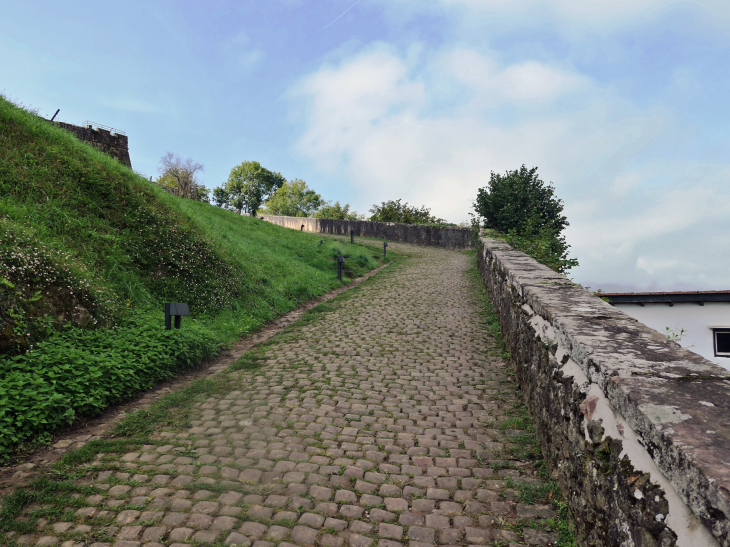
x=116, y=146
x=636, y=427
x=450, y=237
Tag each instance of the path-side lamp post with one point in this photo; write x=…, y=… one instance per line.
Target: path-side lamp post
x=176, y=310
x=340, y=262
x=352, y=236
x=385, y=248
x=302, y=228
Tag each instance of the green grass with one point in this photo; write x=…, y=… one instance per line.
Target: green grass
x=488, y=313
x=90, y=251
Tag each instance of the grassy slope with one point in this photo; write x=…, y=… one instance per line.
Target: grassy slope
x=89, y=251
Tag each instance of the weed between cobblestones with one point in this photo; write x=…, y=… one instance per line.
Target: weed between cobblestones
x=527, y=447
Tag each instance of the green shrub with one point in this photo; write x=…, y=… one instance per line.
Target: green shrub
x=80, y=372
x=395, y=211
x=524, y=211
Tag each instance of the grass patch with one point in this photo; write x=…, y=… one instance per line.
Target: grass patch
x=251, y=360
x=172, y=409
x=44, y=492
x=487, y=311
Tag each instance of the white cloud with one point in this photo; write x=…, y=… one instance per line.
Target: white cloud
x=371, y=114
x=571, y=15
x=521, y=83
x=351, y=101
x=651, y=266
x=625, y=182
x=379, y=118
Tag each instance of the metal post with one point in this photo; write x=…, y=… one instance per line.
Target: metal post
x=56, y=114
x=302, y=228
x=340, y=262
x=385, y=248
x=168, y=317
x=352, y=236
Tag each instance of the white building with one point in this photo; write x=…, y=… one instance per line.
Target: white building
x=699, y=321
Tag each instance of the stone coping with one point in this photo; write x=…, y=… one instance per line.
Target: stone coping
x=677, y=402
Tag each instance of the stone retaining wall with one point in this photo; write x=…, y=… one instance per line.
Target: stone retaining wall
x=637, y=427
x=450, y=237
x=112, y=144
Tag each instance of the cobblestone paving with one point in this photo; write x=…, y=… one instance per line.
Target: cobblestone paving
x=375, y=424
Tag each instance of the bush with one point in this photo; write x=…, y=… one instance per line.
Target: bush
x=335, y=211
x=395, y=211
x=80, y=372
x=521, y=209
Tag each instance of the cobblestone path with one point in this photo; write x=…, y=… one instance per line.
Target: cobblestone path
x=377, y=423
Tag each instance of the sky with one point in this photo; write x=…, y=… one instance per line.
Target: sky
x=621, y=104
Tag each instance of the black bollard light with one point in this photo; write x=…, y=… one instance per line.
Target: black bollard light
x=302, y=228
x=340, y=262
x=385, y=248
x=352, y=236
x=176, y=310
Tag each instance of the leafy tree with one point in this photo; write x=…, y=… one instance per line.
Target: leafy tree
x=221, y=197
x=293, y=199
x=517, y=199
x=248, y=186
x=336, y=211
x=524, y=211
x=395, y=211
x=181, y=174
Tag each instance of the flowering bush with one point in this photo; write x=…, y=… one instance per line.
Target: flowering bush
x=178, y=265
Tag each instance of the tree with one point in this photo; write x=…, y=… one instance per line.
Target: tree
x=395, y=211
x=524, y=211
x=335, y=211
x=181, y=174
x=248, y=186
x=293, y=199
x=517, y=199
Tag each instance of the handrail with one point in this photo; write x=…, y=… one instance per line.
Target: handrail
x=95, y=125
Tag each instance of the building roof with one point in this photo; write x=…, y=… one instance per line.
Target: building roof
x=671, y=298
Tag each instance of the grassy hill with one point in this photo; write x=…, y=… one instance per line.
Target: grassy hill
x=89, y=252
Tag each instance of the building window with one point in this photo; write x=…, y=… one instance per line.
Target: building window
x=722, y=342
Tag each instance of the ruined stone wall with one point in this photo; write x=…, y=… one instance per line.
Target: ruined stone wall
x=637, y=427
x=450, y=237
x=116, y=146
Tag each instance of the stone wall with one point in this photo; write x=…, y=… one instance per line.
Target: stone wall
x=637, y=427
x=117, y=146
x=449, y=237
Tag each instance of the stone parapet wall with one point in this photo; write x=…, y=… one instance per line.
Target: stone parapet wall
x=112, y=144
x=637, y=427
x=449, y=237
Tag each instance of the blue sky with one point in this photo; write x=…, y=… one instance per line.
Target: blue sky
x=622, y=104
